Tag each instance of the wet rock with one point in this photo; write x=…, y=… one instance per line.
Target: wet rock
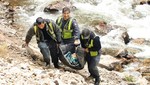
x=111, y=51
x=116, y=64
x=56, y=82
x=58, y=6
x=10, y=15
x=148, y=2
x=146, y=62
x=116, y=37
x=34, y=54
x=126, y=37
x=103, y=28
x=119, y=65
x=133, y=50
x=123, y=53
x=31, y=8
x=141, y=2
x=145, y=68
x=140, y=41
x=111, y=64
x=6, y=4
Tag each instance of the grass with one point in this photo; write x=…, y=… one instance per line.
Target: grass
x=129, y=78
x=3, y=50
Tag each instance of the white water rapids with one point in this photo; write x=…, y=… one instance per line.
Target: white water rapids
x=116, y=12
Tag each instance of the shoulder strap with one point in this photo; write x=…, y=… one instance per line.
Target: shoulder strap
x=70, y=23
x=51, y=30
x=59, y=20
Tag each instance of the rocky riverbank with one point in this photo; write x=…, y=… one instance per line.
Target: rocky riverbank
x=18, y=68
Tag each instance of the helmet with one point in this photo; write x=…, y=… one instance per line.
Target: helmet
x=39, y=20
x=86, y=33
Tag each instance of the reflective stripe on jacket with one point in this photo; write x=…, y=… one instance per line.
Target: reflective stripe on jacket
x=90, y=45
x=67, y=32
x=50, y=31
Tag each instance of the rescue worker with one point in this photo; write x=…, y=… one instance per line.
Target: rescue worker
x=92, y=46
x=69, y=29
x=48, y=38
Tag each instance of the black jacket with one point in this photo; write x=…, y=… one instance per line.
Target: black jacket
x=74, y=26
x=96, y=42
x=31, y=32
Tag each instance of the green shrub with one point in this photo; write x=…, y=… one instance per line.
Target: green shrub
x=129, y=78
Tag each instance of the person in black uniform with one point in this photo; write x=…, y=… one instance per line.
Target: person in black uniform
x=48, y=38
x=69, y=29
x=92, y=46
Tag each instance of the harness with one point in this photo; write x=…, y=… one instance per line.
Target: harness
x=66, y=31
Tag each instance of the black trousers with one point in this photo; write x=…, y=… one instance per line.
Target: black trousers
x=92, y=65
x=54, y=52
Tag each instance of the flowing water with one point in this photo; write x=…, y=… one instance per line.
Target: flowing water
x=117, y=12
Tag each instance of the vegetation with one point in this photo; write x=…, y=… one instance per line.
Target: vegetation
x=129, y=78
x=3, y=49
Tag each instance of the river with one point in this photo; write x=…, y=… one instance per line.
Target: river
x=116, y=12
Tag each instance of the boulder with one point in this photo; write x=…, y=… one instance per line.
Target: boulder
x=141, y=2
x=146, y=62
x=145, y=68
x=126, y=37
x=140, y=41
x=103, y=28
x=58, y=6
x=148, y=2
x=113, y=51
x=133, y=50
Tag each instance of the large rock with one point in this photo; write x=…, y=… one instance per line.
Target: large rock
x=58, y=6
x=141, y=2
x=103, y=28
x=140, y=41
x=144, y=68
x=113, y=51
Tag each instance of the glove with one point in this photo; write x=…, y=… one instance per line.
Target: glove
x=86, y=50
x=77, y=42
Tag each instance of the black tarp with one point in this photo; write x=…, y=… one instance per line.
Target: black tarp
x=80, y=54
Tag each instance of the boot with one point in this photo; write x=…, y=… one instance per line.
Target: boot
x=90, y=77
x=47, y=63
x=56, y=66
x=97, y=81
